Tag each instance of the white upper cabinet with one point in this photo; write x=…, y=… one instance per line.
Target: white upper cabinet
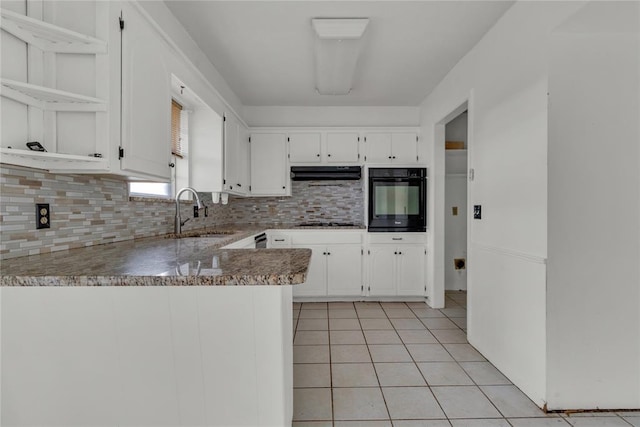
x=205, y=150
x=146, y=99
x=236, y=156
x=269, y=168
x=304, y=147
x=391, y=147
x=53, y=88
x=343, y=147
x=404, y=147
x=377, y=148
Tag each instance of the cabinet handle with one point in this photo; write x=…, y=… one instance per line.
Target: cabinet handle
x=239, y=185
x=399, y=253
x=324, y=253
x=328, y=155
x=278, y=240
x=389, y=156
x=396, y=238
x=318, y=155
x=393, y=157
x=395, y=253
x=328, y=253
x=283, y=187
x=172, y=165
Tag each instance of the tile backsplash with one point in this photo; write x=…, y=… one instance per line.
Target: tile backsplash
x=90, y=210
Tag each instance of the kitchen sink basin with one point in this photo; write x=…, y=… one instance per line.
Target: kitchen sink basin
x=205, y=234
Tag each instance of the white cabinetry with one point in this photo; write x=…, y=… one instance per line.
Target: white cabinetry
x=391, y=147
x=53, y=88
x=269, y=167
x=304, y=147
x=146, y=99
x=336, y=263
x=343, y=147
x=324, y=147
x=236, y=157
x=90, y=82
x=397, y=265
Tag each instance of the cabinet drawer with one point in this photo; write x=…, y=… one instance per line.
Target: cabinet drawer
x=397, y=238
x=279, y=240
x=326, y=237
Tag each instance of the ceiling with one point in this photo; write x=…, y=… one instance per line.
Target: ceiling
x=264, y=49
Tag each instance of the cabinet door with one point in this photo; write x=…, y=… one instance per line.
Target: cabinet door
x=146, y=99
x=236, y=157
x=269, y=164
x=231, y=153
x=304, y=147
x=377, y=147
x=343, y=147
x=404, y=147
x=316, y=284
x=382, y=274
x=344, y=270
x=242, y=161
x=411, y=270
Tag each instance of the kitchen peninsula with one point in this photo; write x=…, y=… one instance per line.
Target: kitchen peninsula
x=155, y=331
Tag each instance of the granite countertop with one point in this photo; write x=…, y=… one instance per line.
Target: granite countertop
x=161, y=261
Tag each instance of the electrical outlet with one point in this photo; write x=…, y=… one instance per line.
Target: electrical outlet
x=196, y=211
x=43, y=216
x=477, y=211
x=459, y=263
x=454, y=211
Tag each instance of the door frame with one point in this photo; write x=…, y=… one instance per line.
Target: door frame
x=438, y=199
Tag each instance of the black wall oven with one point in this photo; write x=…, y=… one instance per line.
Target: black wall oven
x=397, y=199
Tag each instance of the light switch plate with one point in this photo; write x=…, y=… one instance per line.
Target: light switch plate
x=477, y=211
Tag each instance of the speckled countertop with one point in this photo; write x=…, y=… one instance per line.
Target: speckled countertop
x=161, y=261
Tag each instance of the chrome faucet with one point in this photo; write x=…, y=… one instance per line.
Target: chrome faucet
x=178, y=219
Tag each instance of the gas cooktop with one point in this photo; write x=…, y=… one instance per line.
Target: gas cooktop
x=328, y=224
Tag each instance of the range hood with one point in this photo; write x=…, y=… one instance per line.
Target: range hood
x=325, y=173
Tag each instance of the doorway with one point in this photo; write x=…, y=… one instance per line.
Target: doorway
x=456, y=209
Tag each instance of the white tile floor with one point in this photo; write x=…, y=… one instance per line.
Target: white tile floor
x=399, y=364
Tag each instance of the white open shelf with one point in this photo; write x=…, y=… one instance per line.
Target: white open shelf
x=49, y=37
x=52, y=161
x=49, y=99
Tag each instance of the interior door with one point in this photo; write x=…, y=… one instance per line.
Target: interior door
x=146, y=99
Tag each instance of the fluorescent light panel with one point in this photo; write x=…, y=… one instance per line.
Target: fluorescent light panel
x=338, y=44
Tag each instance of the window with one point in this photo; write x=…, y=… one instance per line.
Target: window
x=176, y=140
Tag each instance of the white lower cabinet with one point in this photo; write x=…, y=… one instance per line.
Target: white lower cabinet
x=344, y=270
x=396, y=264
x=334, y=270
x=397, y=270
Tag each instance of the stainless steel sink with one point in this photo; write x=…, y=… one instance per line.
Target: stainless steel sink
x=206, y=234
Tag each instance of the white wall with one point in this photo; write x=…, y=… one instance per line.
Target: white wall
x=593, y=292
x=224, y=99
x=332, y=116
x=504, y=80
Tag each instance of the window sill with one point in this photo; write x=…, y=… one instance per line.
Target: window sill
x=153, y=199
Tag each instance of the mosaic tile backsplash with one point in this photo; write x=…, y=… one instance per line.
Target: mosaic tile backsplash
x=90, y=210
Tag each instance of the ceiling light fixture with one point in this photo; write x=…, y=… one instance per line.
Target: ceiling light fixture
x=338, y=44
